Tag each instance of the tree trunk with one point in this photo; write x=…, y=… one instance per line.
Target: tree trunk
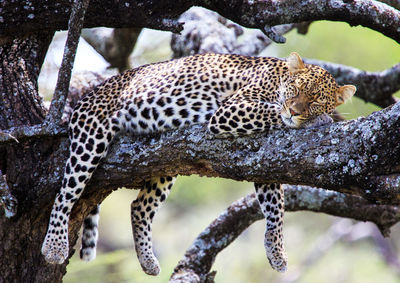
x=21, y=236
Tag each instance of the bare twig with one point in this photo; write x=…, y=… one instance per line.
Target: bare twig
x=64, y=75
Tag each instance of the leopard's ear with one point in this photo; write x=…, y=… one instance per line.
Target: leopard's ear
x=295, y=63
x=344, y=93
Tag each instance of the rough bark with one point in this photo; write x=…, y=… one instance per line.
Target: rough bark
x=22, y=234
x=343, y=157
x=20, y=61
x=54, y=15
x=20, y=162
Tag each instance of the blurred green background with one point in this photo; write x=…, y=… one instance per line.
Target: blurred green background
x=314, y=250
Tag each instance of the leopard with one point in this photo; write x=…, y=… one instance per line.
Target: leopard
x=234, y=95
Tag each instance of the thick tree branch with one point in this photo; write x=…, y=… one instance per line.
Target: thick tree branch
x=346, y=157
x=255, y=14
x=20, y=62
x=196, y=264
x=343, y=156
x=367, y=13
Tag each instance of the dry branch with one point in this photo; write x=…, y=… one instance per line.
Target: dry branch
x=64, y=75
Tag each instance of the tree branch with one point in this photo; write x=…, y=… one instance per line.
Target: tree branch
x=198, y=259
x=345, y=157
x=253, y=14
x=257, y=14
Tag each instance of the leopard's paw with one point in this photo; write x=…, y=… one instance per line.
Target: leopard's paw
x=150, y=265
x=54, y=249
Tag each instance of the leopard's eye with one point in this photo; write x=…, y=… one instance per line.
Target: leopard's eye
x=317, y=103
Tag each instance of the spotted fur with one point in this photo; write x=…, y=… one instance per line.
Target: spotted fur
x=236, y=95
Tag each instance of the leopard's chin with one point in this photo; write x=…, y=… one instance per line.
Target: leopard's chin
x=290, y=120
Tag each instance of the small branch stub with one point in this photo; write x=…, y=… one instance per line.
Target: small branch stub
x=268, y=31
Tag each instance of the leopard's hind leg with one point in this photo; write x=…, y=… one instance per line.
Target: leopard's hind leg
x=143, y=209
x=271, y=200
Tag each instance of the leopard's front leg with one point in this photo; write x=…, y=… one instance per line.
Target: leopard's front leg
x=143, y=209
x=240, y=115
x=271, y=200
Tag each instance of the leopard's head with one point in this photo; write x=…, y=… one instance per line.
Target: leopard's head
x=310, y=91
